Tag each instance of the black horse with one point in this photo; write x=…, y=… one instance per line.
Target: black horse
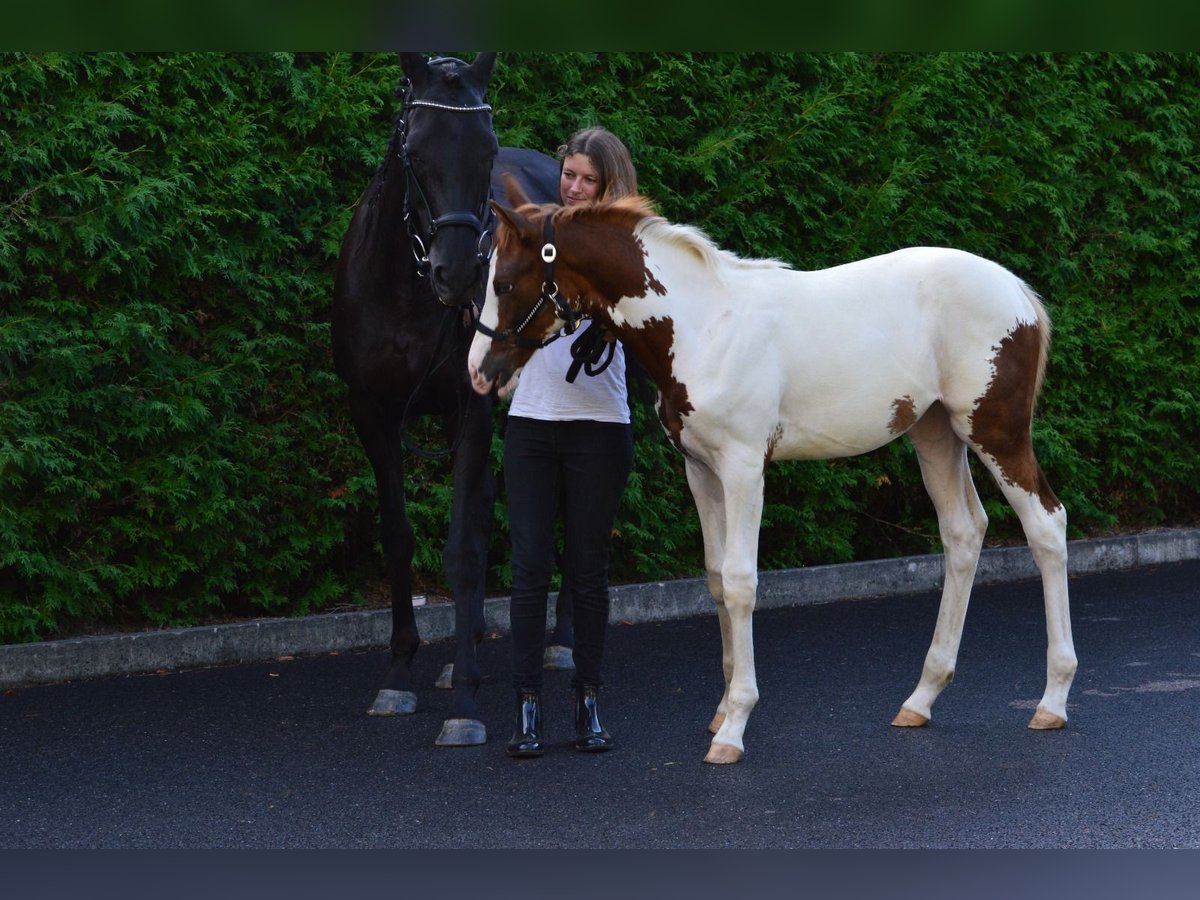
x=409, y=278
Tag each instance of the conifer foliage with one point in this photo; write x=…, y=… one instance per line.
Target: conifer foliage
x=173, y=442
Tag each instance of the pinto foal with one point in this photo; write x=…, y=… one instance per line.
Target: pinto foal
x=755, y=362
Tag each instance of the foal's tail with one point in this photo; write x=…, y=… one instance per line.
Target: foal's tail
x=1044, y=329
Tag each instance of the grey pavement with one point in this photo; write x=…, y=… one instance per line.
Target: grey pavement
x=279, y=754
x=266, y=639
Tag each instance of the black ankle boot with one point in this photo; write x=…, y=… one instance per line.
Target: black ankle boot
x=590, y=736
x=527, y=732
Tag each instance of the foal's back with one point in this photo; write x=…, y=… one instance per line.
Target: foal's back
x=840, y=361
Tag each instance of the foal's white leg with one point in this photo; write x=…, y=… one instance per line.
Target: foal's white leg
x=742, y=480
x=710, y=506
x=961, y=524
x=1046, y=531
x=718, y=719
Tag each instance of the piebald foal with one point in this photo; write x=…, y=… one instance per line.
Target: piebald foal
x=755, y=361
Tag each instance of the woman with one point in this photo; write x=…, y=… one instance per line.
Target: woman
x=568, y=446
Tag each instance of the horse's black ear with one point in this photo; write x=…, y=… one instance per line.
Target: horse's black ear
x=414, y=65
x=481, y=68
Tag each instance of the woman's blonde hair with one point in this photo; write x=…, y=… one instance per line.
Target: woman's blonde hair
x=610, y=156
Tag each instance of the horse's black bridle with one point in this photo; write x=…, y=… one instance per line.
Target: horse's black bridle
x=481, y=221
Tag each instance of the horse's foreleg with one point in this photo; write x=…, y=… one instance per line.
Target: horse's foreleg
x=741, y=483
x=465, y=561
x=383, y=449
x=714, y=587
x=962, y=523
x=710, y=507
x=741, y=691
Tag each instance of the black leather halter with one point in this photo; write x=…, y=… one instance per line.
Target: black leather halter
x=549, y=294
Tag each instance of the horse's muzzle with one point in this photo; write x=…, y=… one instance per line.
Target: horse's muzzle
x=496, y=371
x=455, y=285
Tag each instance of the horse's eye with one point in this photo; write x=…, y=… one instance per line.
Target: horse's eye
x=503, y=287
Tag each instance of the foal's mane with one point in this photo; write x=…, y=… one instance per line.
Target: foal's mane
x=637, y=213
x=695, y=241
x=642, y=219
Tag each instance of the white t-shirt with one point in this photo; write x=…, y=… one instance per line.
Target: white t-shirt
x=543, y=391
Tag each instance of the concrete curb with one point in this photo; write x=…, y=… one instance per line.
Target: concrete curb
x=263, y=639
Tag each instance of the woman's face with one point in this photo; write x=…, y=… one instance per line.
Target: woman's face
x=579, y=182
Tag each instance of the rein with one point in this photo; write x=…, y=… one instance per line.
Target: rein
x=480, y=221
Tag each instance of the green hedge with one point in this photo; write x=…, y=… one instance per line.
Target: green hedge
x=174, y=445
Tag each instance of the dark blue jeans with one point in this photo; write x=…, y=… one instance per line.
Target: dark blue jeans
x=581, y=468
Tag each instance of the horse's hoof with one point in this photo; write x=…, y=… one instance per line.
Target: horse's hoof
x=715, y=725
x=723, y=754
x=1046, y=721
x=393, y=703
x=462, y=733
x=445, y=681
x=558, y=657
x=906, y=718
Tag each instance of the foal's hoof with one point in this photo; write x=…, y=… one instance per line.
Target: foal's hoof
x=462, y=733
x=558, y=657
x=393, y=703
x=715, y=725
x=906, y=718
x=1046, y=721
x=723, y=754
x=445, y=681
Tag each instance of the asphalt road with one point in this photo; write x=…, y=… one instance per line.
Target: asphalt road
x=282, y=755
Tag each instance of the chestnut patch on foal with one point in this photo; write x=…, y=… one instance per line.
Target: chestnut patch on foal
x=624, y=273
x=651, y=345
x=1000, y=424
x=772, y=442
x=904, y=415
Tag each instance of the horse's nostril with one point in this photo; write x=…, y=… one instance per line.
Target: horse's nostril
x=454, y=285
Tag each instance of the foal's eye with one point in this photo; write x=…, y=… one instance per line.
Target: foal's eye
x=503, y=287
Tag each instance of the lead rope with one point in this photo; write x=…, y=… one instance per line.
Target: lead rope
x=587, y=350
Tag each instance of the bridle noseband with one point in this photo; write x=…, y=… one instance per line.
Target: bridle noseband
x=480, y=221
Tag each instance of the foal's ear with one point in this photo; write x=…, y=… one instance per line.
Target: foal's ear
x=512, y=219
x=519, y=224
x=512, y=190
